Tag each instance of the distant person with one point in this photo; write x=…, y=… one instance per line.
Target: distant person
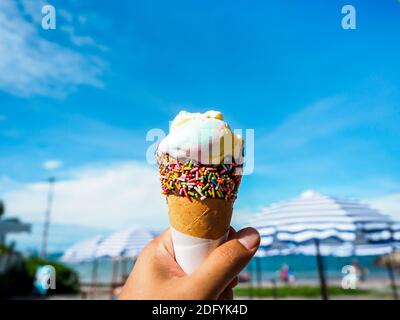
x=286, y=274
x=244, y=277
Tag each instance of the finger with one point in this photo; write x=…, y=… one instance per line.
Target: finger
x=234, y=283
x=165, y=256
x=162, y=244
x=231, y=234
x=227, y=294
x=225, y=263
x=166, y=240
x=159, y=257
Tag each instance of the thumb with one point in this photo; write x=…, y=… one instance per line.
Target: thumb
x=225, y=263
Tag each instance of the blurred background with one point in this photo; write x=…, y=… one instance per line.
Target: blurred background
x=77, y=100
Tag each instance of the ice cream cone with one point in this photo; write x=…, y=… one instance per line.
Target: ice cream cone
x=206, y=219
x=200, y=187
x=198, y=227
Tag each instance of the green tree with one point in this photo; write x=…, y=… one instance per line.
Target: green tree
x=2, y=208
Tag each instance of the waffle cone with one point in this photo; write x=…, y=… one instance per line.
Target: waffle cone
x=206, y=219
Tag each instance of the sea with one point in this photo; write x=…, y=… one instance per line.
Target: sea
x=302, y=267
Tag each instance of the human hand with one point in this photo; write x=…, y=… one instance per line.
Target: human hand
x=156, y=274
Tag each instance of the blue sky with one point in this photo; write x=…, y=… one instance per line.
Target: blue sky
x=323, y=101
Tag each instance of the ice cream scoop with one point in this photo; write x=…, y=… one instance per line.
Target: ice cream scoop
x=202, y=137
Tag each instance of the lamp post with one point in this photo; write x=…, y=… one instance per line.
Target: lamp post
x=47, y=217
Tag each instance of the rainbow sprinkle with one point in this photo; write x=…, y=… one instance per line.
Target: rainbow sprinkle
x=194, y=180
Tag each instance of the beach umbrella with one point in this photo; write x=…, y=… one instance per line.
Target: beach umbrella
x=122, y=245
x=84, y=251
x=126, y=243
x=325, y=222
x=391, y=261
x=388, y=260
x=392, y=258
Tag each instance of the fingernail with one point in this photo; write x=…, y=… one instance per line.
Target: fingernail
x=249, y=238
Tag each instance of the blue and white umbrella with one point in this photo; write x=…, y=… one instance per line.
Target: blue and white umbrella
x=329, y=220
x=125, y=244
x=319, y=225
x=83, y=251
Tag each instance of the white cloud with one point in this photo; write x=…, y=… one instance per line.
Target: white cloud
x=80, y=40
x=33, y=9
x=7, y=184
x=389, y=204
x=52, y=164
x=65, y=14
x=32, y=65
x=113, y=196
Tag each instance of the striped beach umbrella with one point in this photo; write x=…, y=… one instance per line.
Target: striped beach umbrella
x=123, y=245
x=389, y=259
x=323, y=225
x=126, y=243
x=83, y=251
